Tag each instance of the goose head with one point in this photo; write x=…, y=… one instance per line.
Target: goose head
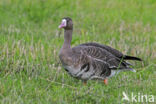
x=66, y=23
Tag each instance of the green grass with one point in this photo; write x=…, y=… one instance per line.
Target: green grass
x=30, y=71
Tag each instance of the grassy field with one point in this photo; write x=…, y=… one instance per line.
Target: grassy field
x=30, y=71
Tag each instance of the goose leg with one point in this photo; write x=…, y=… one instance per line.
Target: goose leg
x=106, y=81
x=84, y=83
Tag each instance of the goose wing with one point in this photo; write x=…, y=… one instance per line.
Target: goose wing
x=96, y=62
x=101, y=55
x=112, y=51
x=105, y=47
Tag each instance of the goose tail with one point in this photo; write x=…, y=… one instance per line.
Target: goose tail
x=132, y=58
x=133, y=70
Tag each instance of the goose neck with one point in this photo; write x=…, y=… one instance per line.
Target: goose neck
x=67, y=39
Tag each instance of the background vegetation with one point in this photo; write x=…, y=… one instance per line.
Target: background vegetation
x=30, y=71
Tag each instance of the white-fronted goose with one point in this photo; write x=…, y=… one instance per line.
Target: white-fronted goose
x=91, y=60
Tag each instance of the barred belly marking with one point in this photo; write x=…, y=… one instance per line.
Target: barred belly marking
x=84, y=73
x=71, y=70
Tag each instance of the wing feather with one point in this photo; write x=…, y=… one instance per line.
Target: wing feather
x=100, y=54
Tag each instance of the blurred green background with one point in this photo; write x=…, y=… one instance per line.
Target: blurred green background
x=30, y=71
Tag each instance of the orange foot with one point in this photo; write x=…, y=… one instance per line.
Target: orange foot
x=106, y=81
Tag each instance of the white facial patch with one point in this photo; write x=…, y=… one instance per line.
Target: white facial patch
x=64, y=22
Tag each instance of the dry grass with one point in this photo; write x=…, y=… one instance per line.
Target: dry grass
x=30, y=71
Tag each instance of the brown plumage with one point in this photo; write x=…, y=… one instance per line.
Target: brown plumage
x=90, y=60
